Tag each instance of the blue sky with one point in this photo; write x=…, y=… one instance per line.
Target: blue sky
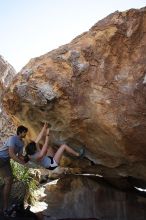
x=30, y=28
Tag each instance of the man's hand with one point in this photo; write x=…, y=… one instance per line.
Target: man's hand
x=14, y=156
x=24, y=159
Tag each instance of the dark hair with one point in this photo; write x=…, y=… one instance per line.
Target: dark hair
x=21, y=129
x=31, y=148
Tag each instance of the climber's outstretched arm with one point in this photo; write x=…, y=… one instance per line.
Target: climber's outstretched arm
x=43, y=151
x=42, y=133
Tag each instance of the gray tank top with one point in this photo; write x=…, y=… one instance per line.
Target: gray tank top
x=44, y=162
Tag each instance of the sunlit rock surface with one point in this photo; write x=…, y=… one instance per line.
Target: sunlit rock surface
x=7, y=72
x=92, y=92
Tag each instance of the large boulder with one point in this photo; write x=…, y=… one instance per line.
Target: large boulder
x=92, y=92
x=82, y=197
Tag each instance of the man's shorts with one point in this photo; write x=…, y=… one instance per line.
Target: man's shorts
x=5, y=168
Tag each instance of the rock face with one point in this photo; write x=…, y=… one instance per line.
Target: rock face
x=7, y=73
x=82, y=197
x=92, y=92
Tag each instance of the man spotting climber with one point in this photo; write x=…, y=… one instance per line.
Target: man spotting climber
x=11, y=149
x=46, y=157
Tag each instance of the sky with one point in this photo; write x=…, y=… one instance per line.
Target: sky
x=31, y=28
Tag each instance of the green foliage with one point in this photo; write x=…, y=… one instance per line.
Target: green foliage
x=22, y=173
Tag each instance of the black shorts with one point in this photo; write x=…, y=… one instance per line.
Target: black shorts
x=53, y=164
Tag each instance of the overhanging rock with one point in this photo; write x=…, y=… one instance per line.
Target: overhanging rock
x=92, y=91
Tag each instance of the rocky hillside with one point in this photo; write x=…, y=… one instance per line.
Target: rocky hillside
x=7, y=72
